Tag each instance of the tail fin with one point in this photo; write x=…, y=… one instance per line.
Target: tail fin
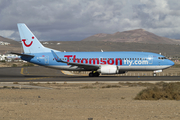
x=30, y=43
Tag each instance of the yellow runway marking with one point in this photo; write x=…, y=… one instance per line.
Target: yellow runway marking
x=71, y=73
x=65, y=73
x=37, y=78
x=22, y=71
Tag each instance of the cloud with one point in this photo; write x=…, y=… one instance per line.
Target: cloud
x=159, y=17
x=77, y=19
x=6, y=33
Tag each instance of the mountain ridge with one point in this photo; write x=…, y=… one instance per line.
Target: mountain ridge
x=137, y=35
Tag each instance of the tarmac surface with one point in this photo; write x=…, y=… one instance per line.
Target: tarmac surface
x=42, y=74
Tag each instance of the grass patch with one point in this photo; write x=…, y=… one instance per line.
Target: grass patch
x=96, y=83
x=111, y=86
x=87, y=87
x=122, y=97
x=13, y=65
x=31, y=83
x=5, y=86
x=3, y=61
x=28, y=64
x=136, y=84
x=176, y=66
x=15, y=83
x=159, y=84
x=164, y=91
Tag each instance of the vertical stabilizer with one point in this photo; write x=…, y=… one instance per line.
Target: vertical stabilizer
x=30, y=43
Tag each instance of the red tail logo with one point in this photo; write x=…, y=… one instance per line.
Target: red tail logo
x=27, y=44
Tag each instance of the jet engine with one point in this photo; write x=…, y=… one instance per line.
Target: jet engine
x=108, y=69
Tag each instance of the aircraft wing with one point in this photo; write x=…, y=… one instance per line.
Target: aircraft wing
x=80, y=65
x=20, y=54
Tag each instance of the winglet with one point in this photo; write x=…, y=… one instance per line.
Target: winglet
x=56, y=57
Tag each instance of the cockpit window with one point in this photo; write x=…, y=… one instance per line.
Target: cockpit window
x=162, y=58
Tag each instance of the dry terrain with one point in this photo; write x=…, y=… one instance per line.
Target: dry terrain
x=82, y=101
x=136, y=36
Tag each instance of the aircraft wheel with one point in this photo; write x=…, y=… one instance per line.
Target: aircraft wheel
x=154, y=74
x=96, y=74
x=91, y=74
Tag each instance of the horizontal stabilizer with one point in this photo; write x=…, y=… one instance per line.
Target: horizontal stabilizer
x=20, y=54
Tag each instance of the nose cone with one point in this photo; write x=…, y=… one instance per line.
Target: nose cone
x=171, y=63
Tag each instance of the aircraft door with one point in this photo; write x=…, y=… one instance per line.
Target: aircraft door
x=46, y=60
x=150, y=59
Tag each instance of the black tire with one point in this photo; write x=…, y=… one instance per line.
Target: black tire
x=154, y=74
x=91, y=75
x=96, y=74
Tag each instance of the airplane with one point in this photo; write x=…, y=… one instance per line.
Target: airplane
x=118, y=62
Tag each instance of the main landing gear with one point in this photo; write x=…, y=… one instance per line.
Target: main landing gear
x=93, y=74
x=154, y=74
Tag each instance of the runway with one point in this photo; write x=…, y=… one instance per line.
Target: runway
x=42, y=74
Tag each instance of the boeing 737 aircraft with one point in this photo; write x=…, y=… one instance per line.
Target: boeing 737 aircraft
x=97, y=62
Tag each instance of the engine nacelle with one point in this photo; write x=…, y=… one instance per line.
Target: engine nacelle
x=108, y=69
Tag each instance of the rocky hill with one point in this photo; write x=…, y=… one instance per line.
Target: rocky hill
x=137, y=36
x=13, y=46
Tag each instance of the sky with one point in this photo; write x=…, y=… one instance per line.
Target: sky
x=74, y=20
